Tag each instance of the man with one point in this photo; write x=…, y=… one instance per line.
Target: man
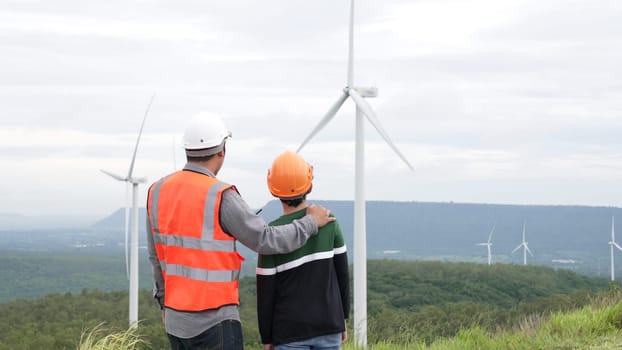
x=302, y=297
x=193, y=223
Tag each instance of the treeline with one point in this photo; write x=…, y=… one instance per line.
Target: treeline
x=422, y=301
x=34, y=274
x=412, y=285
x=57, y=321
x=408, y=301
x=594, y=326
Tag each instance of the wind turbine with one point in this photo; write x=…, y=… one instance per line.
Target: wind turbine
x=613, y=244
x=363, y=109
x=133, y=270
x=525, y=247
x=489, y=245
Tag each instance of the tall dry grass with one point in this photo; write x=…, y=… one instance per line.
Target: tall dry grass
x=100, y=338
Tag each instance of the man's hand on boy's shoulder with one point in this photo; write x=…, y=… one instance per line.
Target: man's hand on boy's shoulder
x=320, y=214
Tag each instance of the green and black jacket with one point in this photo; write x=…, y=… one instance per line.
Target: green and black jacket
x=305, y=293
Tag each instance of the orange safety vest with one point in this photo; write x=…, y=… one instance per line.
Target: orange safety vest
x=200, y=264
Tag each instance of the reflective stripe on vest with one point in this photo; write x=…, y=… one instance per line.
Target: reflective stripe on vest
x=199, y=262
x=200, y=274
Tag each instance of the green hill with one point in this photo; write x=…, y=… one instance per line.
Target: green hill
x=595, y=326
x=33, y=274
x=409, y=303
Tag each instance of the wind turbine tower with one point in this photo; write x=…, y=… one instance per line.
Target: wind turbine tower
x=489, y=245
x=525, y=247
x=130, y=179
x=363, y=110
x=612, y=244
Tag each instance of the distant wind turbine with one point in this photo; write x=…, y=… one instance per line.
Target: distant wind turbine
x=489, y=245
x=133, y=270
x=363, y=109
x=612, y=244
x=525, y=247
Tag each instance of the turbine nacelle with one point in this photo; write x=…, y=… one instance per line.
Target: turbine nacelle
x=132, y=180
x=523, y=245
x=114, y=176
x=137, y=180
x=369, y=91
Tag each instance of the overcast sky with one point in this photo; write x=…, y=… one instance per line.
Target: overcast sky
x=513, y=101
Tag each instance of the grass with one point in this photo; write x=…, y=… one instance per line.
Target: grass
x=100, y=338
x=596, y=326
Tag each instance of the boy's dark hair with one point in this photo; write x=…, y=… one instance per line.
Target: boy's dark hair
x=294, y=202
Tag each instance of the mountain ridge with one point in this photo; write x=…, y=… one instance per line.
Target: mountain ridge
x=568, y=236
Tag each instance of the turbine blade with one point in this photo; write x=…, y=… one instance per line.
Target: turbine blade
x=142, y=125
x=138, y=180
x=327, y=117
x=373, y=119
x=617, y=245
x=127, y=226
x=517, y=248
x=114, y=176
x=491, y=231
x=351, y=47
x=528, y=250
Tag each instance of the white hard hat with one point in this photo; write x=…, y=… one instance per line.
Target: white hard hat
x=205, y=135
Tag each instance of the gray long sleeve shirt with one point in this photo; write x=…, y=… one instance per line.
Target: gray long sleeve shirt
x=238, y=220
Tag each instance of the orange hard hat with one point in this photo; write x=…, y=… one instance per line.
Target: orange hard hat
x=290, y=176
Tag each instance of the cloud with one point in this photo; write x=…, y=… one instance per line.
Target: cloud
x=508, y=102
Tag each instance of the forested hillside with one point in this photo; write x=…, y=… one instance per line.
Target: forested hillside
x=596, y=325
x=34, y=274
x=408, y=301
x=432, y=299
